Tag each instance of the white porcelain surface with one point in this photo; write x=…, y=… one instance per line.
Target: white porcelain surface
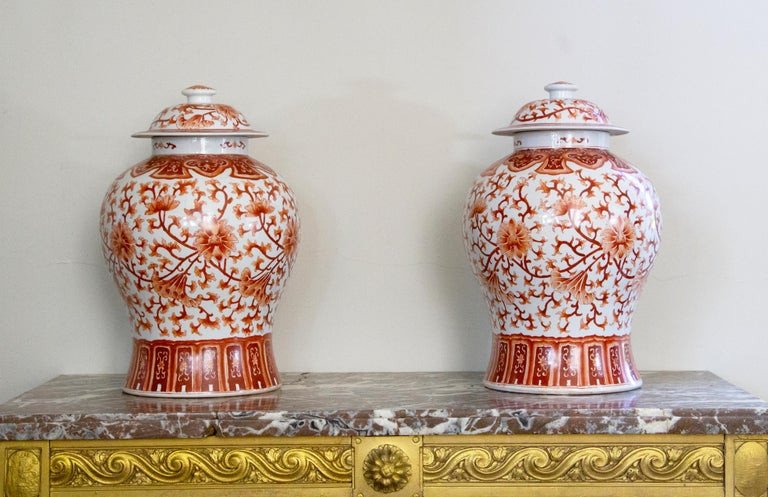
x=562, y=235
x=200, y=239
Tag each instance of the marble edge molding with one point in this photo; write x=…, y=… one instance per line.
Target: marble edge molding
x=319, y=426
x=123, y=431
x=500, y=425
x=710, y=406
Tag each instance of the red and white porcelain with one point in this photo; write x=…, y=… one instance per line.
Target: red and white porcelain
x=562, y=235
x=200, y=238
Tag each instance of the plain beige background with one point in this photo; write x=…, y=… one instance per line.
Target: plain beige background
x=380, y=114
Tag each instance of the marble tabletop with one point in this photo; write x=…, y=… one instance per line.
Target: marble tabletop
x=367, y=404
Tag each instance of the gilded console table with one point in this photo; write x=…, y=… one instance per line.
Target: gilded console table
x=387, y=435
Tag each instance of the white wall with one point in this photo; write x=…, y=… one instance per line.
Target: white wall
x=380, y=114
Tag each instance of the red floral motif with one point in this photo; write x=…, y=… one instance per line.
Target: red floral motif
x=566, y=253
x=569, y=110
x=577, y=286
x=162, y=203
x=494, y=284
x=290, y=239
x=200, y=250
x=182, y=166
x=568, y=204
x=174, y=288
x=255, y=286
x=618, y=238
x=258, y=208
x=514, y=239
x=478, y=207
x=215, y=240
x=122, y=242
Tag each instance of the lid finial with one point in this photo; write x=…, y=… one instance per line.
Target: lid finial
x=560, y=89
x=198, y=94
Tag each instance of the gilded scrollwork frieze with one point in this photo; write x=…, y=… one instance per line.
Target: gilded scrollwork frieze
x=201, y=465
x=614, y=464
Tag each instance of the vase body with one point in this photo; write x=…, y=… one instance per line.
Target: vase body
x=200, y=239
x=562, y=234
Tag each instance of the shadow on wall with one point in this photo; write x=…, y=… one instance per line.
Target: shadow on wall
x=461, y=293
x=381, y=197
x=666, y=311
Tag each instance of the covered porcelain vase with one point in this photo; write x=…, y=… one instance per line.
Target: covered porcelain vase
x=562, y=235
x=200, y=238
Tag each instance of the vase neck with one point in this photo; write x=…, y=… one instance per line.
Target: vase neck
x=177, y=145
x=562, y=139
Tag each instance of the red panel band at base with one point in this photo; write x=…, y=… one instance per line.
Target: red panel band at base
x=590, y=363
x=186, y=368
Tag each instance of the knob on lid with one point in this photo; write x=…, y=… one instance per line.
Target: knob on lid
x=561, y=111
x=199, y=116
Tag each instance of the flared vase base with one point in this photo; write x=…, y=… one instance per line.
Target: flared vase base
x=202, y=368
x=562, y=365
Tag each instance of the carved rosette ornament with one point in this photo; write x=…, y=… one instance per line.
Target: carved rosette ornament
x=200, y=239
x=562, y=235
x=387, y=469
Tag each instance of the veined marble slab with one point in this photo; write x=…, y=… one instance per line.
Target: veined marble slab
x=369, y=404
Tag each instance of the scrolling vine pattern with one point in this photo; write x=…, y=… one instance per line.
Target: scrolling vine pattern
x=201, y=465
x=616, y=463
x=571, y=110
x=207, y=245
x=563, y=240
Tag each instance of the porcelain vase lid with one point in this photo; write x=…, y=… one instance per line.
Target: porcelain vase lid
x=200, y=116
x=560, y=111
